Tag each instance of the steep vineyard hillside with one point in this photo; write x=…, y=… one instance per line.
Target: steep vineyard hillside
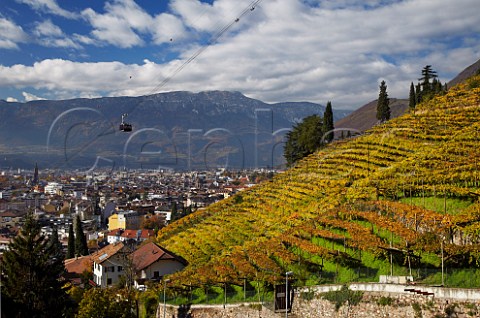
x=391, y=200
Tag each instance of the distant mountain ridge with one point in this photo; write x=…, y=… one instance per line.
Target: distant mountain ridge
x=175, y=130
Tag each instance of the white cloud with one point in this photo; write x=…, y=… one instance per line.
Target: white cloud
x=118, y=26
x=11, y=34
x=47, y=28
x=49, y=6
x=12, y=100
x=125, y=23
x=282, y=50
x=49, y=34
x=167, y=28
x=30, y=97
x=88, y=78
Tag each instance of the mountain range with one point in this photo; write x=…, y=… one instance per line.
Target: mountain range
x=175, y=130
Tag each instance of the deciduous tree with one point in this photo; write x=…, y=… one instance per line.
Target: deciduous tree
x=303, y=139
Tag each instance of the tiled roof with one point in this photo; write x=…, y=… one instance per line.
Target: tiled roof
x=129, y=234
x=105, y=253
x=116, y=232
x=147, y=234
x=79, y=265
x=150, y=253
x=13, y=213
x=132, y=234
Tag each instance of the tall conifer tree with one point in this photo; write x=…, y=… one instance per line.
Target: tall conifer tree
x=328, y=122
x=81, y=247
x=383, y=107
x=32, y=267
x=71, y=243
x=412, y=99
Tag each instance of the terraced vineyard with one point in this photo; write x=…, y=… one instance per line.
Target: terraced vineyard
x=355, y=210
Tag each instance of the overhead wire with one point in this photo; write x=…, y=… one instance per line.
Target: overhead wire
x=211, y=41
x=251, y=7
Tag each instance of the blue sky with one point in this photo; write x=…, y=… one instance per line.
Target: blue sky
x=272, y=50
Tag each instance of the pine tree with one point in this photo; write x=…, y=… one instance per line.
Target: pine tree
x=31, y=270
x=383, y=108
x=412, y=98
x=427, y=74
x=428, y=83
x=81, y=247
x=328, y=123
x=71, y=243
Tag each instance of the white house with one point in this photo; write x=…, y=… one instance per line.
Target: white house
x=108, y=264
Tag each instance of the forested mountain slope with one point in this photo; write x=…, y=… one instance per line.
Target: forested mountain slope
x=343, y=213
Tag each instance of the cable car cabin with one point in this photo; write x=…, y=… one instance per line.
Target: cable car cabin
x=125, y=127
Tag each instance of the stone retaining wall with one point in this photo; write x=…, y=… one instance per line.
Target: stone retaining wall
x=450, y=302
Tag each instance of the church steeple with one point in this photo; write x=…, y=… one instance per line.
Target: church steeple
x=35, y=175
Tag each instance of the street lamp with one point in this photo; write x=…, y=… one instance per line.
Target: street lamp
x=286, y=293
x=164, y=297
x=441, y=248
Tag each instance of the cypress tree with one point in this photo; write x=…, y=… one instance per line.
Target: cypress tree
x=412, y=98
x=328, y=123
x=418, y=93
x=174, y=210
x=81, y=247
x=71, y=243
x=32, y=267
x=383, y=108
x=55, y=245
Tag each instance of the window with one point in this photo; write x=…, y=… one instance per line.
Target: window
x=120, y=268
x=109, y=281
x=156, y=274
x=110, y=269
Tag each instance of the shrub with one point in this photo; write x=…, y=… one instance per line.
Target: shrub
x=342, y=296
x=385, y=301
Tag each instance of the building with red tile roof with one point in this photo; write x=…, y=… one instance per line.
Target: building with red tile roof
x=120, y=235
x=153, y=262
